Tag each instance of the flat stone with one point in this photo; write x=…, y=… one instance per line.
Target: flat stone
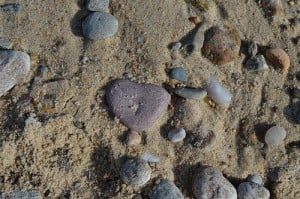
x=14, y=65
x=177, y=135
x=250, y=190
x=191, y=93
x=179, y=74
x=97, y=5
x=166, y=189
x=209, y=183
x=137, y=105
x=257, y=62
x=100, y=25
x=5, y=43
x=221, y=44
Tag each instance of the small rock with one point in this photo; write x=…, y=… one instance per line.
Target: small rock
x=272, y=7
x=278, y=58
x=176, y=46
x=275, y=136
x=255, y=179
x=135, y=172
x=133, y=138
x=209, y=183
x=5, y=43
x=137, y=105
x=166, y=190
x=249, y=190
x=217, y=92
x=97, y=5
x=177, y=135
x=11, y=7
x=251, y=48
x=148, y=157
x=100, y=25
x=257, y=62
x=221, y=44
x=191, y=93
x=179, y=74
x=14, y=65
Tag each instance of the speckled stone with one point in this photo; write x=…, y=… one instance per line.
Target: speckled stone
x=97, y=5
x=166, y=190
x=191, y=93
x=177, y=135
x=135, y=172
x=179, y=74
x=137, y=105
x=209, y=183
x=255, y=179
x=250, y=190
x=257, y=62
x=100, y=25
x=14, y=65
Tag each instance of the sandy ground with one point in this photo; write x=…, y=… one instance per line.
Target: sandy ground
x=57, y=138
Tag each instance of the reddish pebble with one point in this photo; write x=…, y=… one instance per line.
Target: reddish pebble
x=278, y=58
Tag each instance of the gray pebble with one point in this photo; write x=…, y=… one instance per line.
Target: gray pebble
x=249, y=190
x=135, y=172
x=97, y=5
x=179, y=74
x=100, y=25
x=191, y=93
x=176, y=46
x=209, y=183
x=5, y=43
x=257, y=62
x=148, y=157
x=166, y=190
x=255, y=179
x=14, y=65
x=11, y=7
x=251, y=48
x=177, y=135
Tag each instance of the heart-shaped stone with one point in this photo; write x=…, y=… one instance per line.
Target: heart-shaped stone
x=136, y=105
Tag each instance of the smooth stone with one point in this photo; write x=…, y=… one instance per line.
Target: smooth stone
x=148, y=157
x=255, y=179
x=191, y=93
x=97, y=5
x=5, y=43
x=11, y=7
x=251, y=48
x=100, y=25
x=166, y=189
x=209, y=183
x=275, y=136
x=135, y=172
x=257, y=62
x=137, y=105
x=177, y=135
x=249, y=190
x=176, y=46
x=133, y=138
x=14, y=65
x=279, y=58
x=179, y=74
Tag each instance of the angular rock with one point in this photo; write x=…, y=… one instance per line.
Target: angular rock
x=97, y=5
x=209, y=183
x=137, y=105
x=250, y=190
x=14, y=65
x=221, y=44
x=166, y=190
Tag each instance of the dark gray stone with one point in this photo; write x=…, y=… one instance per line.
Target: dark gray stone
x=100, y=25
x=191, y=93
x=166, y=190
x=137, y=105
x=179, y=74
x=250, y=190
x=97, y=5
x=296, y=92
x=177, y=135
x=135, y=172
x=11, y=7
x=257, y=62
x=5, y=43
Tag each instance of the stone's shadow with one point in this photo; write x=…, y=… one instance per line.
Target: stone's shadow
x=261, y=130
x=292, y=112
x=76, y=22
x=81, y=3
x=234, y=180
x=298, y=75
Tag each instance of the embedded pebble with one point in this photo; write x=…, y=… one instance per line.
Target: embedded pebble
x=133, y=138
x=255, y=179
x=251, y=48
x=250, y=190
x=177, y=135
x=257, y=62
x=279, y=58
x=275, y=136
x=97, y=5
x=137, y=105
x=135, y=172
x=14, y=65
x=221, y=44
x=272, y=7
x=217, y=92
x=176, y=46
x=148, y=157
x=191, y=93
x=11, y=7
x=209, y=183
x=166, y=189
x=5, y=43
x=100, y=25
x=179, y=74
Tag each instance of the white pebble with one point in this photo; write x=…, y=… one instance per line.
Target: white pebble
x=275, y=136
x=176, y=46
x=148, y=157
x=217, y=92
x=177, y=135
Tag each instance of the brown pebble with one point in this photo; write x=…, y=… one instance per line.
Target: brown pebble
x=133, y=139
x=279, y=58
